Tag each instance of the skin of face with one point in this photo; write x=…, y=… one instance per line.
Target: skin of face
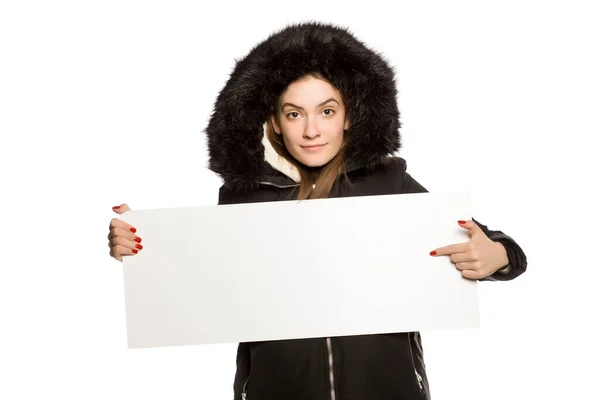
x=311, y=117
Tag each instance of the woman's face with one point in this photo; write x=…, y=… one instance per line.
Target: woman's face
x=311, y=116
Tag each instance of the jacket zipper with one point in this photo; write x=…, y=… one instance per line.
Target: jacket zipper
x=244, y=388
x=412, y=359
x=279, y=186
x=331, y=378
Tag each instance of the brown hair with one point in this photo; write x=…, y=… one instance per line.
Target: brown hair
x=323, y=177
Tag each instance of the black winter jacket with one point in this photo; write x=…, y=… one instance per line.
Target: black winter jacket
x=387, y=366
x=384, y=366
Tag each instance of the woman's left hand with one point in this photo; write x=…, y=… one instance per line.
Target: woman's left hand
x=478, y=258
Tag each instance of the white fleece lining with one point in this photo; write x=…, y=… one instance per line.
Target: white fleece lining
x=276, y=161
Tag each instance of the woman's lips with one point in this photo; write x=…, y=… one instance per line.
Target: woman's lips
x=313, y=147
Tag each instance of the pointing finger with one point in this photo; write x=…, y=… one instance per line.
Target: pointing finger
x=451, y=249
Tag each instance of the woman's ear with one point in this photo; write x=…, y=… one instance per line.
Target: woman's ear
x=347, y=124
x=276, y=127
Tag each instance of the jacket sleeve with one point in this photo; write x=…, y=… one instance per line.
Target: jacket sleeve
x=517, y=261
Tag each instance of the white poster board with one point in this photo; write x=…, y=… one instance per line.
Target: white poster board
x=286, y=270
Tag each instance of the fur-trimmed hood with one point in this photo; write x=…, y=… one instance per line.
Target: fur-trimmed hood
x=238, y=149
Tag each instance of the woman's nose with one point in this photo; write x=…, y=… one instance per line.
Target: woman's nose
x=311, y=130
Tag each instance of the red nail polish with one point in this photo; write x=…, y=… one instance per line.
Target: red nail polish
x=139, y=246
x=133, y=230
x=462, y=222
x=138, y=239
x=433, y=253
x=134, y=251
x=116, y=207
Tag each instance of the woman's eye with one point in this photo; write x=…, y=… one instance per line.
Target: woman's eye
x=328, y=112
x=293, y=115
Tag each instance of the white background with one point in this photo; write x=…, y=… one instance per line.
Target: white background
x=105, y=102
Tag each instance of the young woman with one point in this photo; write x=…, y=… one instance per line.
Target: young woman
x=311, y=113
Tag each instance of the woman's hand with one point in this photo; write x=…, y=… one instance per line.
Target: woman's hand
x=122, y=239
x=478, y=258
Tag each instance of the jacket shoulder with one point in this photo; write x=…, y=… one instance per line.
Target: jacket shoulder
x=393, y=164
x=393, y=170
x=384, y=177
x=388, y=176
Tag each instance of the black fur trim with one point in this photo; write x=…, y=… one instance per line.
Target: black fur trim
x=235, y=130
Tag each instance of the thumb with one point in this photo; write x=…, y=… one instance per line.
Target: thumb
x=471, y=226
x=121, y=208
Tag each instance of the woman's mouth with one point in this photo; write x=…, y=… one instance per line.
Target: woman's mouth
x=313, y=147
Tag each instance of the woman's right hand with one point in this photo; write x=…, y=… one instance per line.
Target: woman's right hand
x=122, y=239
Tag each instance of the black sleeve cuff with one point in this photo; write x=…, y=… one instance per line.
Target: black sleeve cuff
x=517, y=260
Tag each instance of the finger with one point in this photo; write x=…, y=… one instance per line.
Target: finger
x=135, y=238
x=471, y=226
x=119, y=250
x=451, y=249
x=126, y=243
x=117, y=223
x=470, y=274
x=120, y=232
x=463, y=266
x=120, y=209
x=461, y=257
x=117, y=257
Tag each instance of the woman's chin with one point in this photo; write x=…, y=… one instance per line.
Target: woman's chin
x=315, y=162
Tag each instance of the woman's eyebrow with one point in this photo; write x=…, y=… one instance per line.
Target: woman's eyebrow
x=300, y=108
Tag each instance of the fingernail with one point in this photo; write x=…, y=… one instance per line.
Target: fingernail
x=462, y=222
x=134, y=251
x=139, y=246
x=116, y=207
x=133, y=230
x=138, y=239
x=433, y=253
